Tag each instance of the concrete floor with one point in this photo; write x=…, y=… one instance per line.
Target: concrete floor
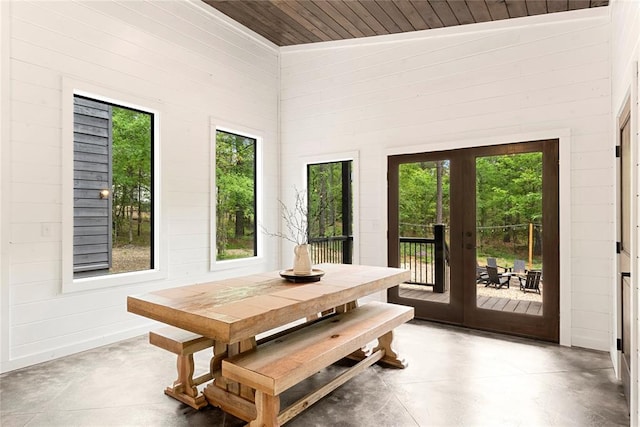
x=455, y=377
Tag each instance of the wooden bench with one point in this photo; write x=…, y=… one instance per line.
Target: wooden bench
x=279, y=364
x=184, y=344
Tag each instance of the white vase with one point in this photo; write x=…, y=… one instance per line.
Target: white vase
x=301, y=260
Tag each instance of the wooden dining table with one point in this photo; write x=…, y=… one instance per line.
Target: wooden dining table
x=234, y=311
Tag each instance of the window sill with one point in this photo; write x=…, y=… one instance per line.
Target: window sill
x=236, y=263
x=111, y=280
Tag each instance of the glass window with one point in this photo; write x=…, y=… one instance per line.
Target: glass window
x=235, y=196
x=113, y=191
x=330, y=212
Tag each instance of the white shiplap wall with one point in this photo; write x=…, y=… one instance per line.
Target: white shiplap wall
x=455, y=87
x=192, y=64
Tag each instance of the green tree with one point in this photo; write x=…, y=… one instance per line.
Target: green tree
x=131, y=171
x=235, y=182
x=509, y=195
x=325, y=199
x=420, y=197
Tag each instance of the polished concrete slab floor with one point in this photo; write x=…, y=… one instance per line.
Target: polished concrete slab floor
x=456, y=377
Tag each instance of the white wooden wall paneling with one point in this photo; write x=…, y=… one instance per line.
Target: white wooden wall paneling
x=34, y=291
x=431, y=54
x=80, y=304
x=81, y=50
x=443, y=108
x=498, y=81
x=515, y=80
x=592, y=302
x=76, y=328
x=443, y=84
x=118, y=19
x=150, y=50
x=23, y=253
x=158, y=74
x=155, y=21
x=471, y=57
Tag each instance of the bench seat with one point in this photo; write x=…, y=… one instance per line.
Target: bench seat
x=184, y=344
x=280, y=364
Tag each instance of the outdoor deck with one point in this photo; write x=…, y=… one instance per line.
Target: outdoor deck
x=482, y=301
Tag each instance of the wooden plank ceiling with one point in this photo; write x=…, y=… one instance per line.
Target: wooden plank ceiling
x=292, y=22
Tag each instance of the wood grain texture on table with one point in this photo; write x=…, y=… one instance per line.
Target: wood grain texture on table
x=234, y=309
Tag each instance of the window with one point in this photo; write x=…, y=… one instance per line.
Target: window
x=329, y=193
x=113, y=220
x=235, y=196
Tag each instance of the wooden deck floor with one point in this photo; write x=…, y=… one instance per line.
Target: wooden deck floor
x=488, y=303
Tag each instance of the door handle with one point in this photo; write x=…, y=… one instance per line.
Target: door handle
x=625, y=274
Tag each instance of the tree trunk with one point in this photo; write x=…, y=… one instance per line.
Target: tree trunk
x=131, y=217
x=322, y=200
x=114, y=216
x=139, y=203
x=239, y=224
x=439, y=192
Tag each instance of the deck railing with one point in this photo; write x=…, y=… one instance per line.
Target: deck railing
x=336, y=249
x=426, y=258
x=417, y=254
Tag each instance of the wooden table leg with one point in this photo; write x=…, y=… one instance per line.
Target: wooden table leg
x=236, y=399
x=247, y=392
x=346, y=307
x=220, y=352
x=391, y=358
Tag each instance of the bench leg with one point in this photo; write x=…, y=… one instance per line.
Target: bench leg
x=268, y=408
x=221, y=352
x=391, y=358
x=184, y=389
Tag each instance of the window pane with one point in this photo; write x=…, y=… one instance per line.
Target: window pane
x=423, y=210
x=113, y=214
x=236, y=196
x=330, y=212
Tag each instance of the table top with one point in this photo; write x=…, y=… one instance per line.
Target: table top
x=239, y=308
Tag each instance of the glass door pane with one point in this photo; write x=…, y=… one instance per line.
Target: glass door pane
x=423, y=219
x=509, y=233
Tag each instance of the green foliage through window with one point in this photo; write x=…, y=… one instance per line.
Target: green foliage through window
x=325, y=199
x=236, y=196
x=508, y=199
x=131, y=168
x=424, y=197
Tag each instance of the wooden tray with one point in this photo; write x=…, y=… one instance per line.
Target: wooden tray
x=314, y=276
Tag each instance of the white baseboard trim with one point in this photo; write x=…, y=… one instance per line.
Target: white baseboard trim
x=52, y=354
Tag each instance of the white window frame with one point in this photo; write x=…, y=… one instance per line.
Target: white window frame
x=215, y=125
x=71, y=87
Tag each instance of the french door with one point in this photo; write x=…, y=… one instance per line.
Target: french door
x=453, y=212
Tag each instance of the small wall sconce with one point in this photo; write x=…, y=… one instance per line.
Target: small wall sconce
x=104, y=194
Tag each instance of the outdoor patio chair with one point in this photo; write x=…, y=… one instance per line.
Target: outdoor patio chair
x=492, y=262
x=497, y=280
x=481, y=274
x=519, y=267
x=531, y=282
